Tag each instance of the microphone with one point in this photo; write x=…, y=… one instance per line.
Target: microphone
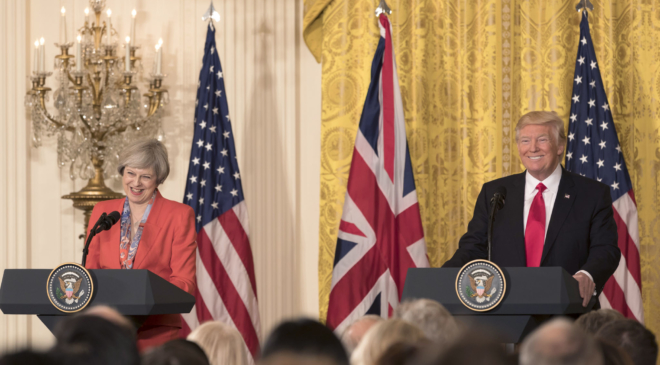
x=499, y=197
x=107, y=221
x=497, y=202
x=104, y=223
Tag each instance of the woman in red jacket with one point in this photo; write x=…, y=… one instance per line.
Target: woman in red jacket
x=155, y=233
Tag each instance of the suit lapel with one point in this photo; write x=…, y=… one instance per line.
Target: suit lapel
x=149, y=232
x=563, y=204
x=516, y=200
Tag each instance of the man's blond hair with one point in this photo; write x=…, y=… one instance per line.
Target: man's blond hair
x=543, y=118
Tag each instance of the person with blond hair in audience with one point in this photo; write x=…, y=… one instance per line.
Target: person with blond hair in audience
x=355, y=331
x=382, y=336
x=222, y=343
x=431, y=317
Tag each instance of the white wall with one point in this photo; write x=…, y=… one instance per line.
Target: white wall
x=274, y=93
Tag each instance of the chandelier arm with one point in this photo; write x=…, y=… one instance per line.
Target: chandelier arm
x=44, y=112
x=154, y=105
x=92, y=84
x=68, y=75
x=82, y=119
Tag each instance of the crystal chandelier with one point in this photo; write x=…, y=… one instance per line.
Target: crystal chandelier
x=98, y=109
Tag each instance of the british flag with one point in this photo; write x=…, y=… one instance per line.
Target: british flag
x=594, y=151
x=226, y=285
x=380, y=234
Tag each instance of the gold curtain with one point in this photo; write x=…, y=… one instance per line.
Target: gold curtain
x=468, y=70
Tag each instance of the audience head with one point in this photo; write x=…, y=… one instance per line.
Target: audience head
x=613, y=354
x=633, y=338
x=111, y=315
x=591, y=322
x=27, y=357
x=559, y=341
x=470, y=347
x=401, y=353
x=431, y=317
x=90, y=339
x=353, y=334
x=303, y=341
x=176, y=352
x=222, y=343
x=383, y=335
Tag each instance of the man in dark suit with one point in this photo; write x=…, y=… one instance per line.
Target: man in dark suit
x=551, y=217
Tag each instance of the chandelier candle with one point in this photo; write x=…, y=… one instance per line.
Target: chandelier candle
x=159, y=56
x=35, y=57
x=63, y=39
x=109, y=39
x=86, y=15
x=79, y=60
x=42, y=55
x=133, y=14
x=127, y=59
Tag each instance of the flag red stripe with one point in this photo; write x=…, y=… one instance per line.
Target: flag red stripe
x=387, y=77
x=239, y=239
x=203, y=313
x=350, y=228
x=353, y=287
x=374, y=206
x=228, y=292
x=617, y=299
x=628, y=248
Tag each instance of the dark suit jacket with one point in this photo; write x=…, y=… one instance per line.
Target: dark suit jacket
x=581, y=235
x=167, y=247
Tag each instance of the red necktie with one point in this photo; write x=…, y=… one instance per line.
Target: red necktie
x=535, y=230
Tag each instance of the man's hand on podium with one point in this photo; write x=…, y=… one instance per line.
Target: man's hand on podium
x=587, y=287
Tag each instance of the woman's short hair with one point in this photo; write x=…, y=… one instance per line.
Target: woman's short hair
x=145, y=154
x=540, y=118
x=383, y=335
x=222, y=343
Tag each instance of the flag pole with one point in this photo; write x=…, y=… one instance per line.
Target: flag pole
x=583, y=5
x=383, y=8
x=211, y=14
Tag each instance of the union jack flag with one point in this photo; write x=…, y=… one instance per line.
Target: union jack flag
x=380, y=234
x=226, y=286
x=594, y=151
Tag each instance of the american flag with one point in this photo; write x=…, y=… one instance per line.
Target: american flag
x=380, y=233
x=594, y=151
x=226, y=286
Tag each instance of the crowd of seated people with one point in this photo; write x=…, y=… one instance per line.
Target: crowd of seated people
x=420, y=332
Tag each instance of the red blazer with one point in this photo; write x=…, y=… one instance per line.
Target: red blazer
x=167, y=247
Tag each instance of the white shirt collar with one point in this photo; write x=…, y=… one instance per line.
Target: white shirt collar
x=551, y=182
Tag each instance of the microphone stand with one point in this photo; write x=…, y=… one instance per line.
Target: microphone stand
x=92, y=233
x=496, y=205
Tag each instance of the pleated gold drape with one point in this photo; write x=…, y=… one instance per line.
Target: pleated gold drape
x=468, y=70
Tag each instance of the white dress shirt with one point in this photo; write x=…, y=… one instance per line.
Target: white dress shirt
x=549, y=196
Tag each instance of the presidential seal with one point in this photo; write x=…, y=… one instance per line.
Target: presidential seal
x=70, y=287
x=480, y=285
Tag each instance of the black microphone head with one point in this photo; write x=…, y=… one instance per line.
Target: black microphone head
x=115, y=216
x=501, y=190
